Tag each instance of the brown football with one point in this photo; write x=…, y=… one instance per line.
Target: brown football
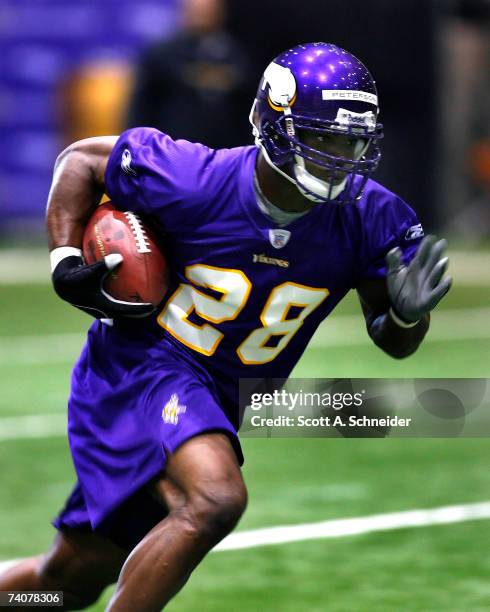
x=142, y=276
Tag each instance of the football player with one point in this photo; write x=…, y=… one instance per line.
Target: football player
x=264, y=241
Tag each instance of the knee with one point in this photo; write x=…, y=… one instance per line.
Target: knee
x=213, y=513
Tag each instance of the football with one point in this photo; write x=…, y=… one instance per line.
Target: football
x=142, y=276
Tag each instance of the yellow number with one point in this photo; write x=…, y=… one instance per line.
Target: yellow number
x=252, y=351
x=234, y=287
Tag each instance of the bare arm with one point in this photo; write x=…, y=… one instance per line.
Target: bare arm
x=395, y=340
x=78, y=184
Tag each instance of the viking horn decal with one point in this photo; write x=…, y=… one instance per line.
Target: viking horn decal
x=282, y=84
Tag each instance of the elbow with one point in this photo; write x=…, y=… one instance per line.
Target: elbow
x=71, y=155
x=61, y=157
x=77, y=148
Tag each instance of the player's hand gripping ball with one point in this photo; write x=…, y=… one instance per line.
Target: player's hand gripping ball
x=416, y=289
x=123, y=272
x=141, y=278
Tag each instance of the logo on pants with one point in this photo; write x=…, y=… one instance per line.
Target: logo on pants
x=172, y=410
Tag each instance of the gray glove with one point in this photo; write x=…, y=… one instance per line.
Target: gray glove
x=415, y=290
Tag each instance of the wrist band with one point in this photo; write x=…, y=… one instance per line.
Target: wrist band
x=400, y=322
x=60, y=253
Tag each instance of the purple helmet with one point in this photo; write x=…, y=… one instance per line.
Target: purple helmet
x=326, y=90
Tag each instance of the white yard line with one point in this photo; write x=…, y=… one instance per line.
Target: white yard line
x=32, y=426
x=339, y=528
x=355, y=526
x=42, y=349
x=4, y=565
x=18, y=266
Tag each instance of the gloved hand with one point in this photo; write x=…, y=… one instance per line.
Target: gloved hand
x=416, y=289
x=82, y=285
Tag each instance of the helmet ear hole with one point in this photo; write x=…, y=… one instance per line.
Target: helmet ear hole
x=277, y=141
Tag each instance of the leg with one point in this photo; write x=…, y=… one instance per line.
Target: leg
x=205, y=493
x=81, y=564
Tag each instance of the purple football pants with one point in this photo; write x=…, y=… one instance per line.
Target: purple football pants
x=129, y=406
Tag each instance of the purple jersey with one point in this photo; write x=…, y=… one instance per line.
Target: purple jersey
x=246, y=296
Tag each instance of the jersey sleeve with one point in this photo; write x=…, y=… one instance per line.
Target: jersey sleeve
x=395, y=224
x=149, y=173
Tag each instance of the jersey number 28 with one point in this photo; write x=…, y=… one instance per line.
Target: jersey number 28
x=233, y=289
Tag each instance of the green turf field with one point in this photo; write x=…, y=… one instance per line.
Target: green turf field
x=290, y=481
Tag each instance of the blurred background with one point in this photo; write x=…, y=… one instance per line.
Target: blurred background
x=191, y=68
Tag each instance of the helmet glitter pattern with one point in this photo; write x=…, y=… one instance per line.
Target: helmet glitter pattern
x=324, y=89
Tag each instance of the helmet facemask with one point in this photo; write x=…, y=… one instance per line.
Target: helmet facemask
x=285, y=150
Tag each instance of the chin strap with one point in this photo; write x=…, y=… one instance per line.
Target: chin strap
x=312, y=187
